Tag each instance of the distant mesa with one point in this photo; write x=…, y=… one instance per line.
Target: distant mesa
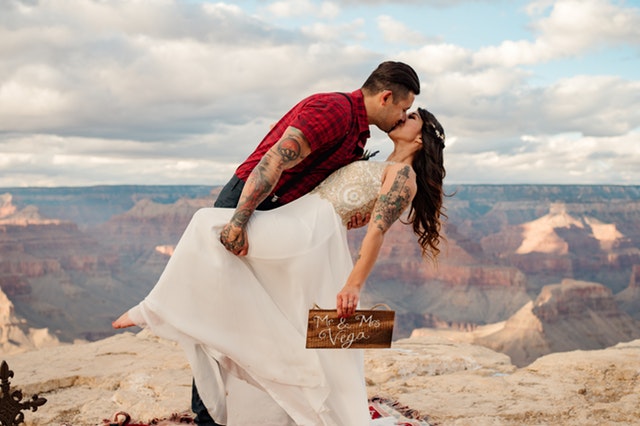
x=567, y=316
x=29, y=215
x=166, y=249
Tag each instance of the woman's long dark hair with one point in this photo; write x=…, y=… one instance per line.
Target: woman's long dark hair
x=426, y=207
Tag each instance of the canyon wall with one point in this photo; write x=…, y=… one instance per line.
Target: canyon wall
x=71, y=259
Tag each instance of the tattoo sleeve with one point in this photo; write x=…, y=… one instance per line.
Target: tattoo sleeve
x=289, y=147
x=286, y=153
x=390, y=206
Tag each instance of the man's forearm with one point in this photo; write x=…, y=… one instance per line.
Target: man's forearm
x=290, y=150
x=259, y=185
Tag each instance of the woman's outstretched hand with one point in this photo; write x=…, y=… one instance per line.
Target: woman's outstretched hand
x=347, y=301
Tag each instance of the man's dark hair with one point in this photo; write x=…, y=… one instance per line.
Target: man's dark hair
x=398, y=77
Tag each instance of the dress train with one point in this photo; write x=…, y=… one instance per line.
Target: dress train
x=242, y=320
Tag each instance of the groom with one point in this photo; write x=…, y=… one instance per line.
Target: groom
x=316, y=137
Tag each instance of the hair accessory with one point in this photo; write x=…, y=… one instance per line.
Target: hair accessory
x=439, y=135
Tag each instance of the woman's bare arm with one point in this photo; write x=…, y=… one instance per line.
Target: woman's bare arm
x=397, y=191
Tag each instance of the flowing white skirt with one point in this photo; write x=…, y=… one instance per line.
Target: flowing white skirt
x=245, y=317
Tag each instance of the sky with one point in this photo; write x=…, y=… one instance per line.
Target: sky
x=168, y=92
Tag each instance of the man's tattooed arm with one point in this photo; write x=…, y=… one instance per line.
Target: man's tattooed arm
x=290, y=150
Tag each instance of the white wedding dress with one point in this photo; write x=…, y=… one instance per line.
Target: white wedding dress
x=242, y=320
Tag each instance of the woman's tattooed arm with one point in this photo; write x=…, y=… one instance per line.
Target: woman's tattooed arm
x=392, y=203
x=398, y=189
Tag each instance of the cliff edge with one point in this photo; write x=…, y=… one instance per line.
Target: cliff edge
x=451, y=383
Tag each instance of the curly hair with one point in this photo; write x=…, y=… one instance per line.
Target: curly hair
x=426, y=208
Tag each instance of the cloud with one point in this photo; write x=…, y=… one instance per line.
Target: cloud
x=438, y=58
x=587, y=106
x=124, y=69
x=92, y=91
x=497, y=101
x=395, y=31
x=572, y=27
x=181, y=92
x=296, y=8
x=36, y=160
x=567, y=158
x=331, y=32
x=32, y=92
x=434, y=3
x=592, y=105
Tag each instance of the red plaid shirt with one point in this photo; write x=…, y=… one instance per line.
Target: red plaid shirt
x=325, y=119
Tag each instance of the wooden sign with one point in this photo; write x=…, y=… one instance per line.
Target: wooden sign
x=365, y=329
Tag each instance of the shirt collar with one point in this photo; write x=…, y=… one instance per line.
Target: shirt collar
x=360, y=111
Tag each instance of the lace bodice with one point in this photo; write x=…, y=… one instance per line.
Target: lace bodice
x=353, y=188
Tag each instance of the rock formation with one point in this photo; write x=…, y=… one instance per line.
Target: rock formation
x=459, y=288
x=6, y=206
x=57, y=276
x=526, y=271
x=567, y=316
x=85, y=254
x=561, y=244
x=16, y=335
x=629, y=298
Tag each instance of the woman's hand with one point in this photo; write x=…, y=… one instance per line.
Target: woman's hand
x=347, y=300
x=357, y=221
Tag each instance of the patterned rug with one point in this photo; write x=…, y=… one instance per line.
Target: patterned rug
x=386, y=412
x=122, y=418
x=383, y=411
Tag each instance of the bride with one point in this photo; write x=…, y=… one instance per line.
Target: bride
x=246, y=345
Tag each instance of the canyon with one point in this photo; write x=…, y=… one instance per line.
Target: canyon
x=526, y=270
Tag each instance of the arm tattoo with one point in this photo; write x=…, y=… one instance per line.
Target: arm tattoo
x=232, y=245
x=390, y=206
x=262, y=181
x=265, y=175
x=241, y=217
x=290, y=146
x=289, y=149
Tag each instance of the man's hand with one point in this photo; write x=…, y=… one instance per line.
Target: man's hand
x=357, y=221
x=234, y=239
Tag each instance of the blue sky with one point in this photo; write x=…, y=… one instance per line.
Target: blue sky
x=179, y=92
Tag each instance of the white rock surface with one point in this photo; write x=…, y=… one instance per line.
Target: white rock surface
x=461, y=384
x=86, y=383
x=452, y=383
